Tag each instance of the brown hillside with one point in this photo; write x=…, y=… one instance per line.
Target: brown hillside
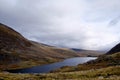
x=18, y=52
x=10, y=39
x=114, y=49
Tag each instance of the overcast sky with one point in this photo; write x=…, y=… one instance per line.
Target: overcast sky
x=86, y=24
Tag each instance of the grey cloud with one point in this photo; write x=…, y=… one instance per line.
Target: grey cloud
x=66, y=23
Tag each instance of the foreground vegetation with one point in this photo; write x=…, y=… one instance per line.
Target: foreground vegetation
x=109, y=73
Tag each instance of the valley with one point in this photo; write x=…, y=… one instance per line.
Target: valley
x=17, y=52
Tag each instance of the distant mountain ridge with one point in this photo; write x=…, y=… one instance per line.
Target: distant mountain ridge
x=74, y=49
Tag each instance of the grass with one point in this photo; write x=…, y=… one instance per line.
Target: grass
x=109, y=73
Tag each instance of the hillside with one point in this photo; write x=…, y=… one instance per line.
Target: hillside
x=18, y=52
x=114, y=49
x=89, y=53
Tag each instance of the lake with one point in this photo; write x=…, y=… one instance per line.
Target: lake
x=49, y=67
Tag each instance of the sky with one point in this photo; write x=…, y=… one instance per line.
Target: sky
x=82, y=24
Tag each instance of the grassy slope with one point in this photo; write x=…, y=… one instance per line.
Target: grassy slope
x=109, y=73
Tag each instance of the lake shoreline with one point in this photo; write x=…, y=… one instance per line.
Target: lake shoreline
x=50, y=67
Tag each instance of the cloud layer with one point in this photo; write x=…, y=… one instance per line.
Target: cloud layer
x=87, y=24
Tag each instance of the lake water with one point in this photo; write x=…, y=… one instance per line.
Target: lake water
x=49, y=67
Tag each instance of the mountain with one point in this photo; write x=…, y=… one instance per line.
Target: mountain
x=10, y=39
x=78, y=50
x=18, y=52
x=114, y=49
x=88, y=53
